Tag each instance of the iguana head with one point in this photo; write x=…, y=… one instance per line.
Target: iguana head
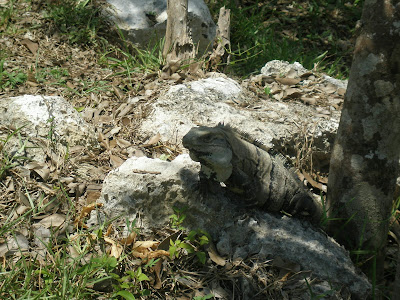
x=210, y=146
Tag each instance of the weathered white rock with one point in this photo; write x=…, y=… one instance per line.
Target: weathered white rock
x=210, y=101
x=44, y=118
x=282, y=68
x=144, y=21
x=148, y=189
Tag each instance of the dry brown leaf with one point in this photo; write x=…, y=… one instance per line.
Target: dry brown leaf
x=115, y=130
x=31, y=46
x=341, y=91
x=55, y=220
x=113, y=144
x=123, y=110
x=116, y=249
x=72, y=251
x=215, y=257
x=34, y=165
x=123, y=143
x=153, y=140
x=129, y=239
x=92, y=196
x=9, y=184
x=292, y=74
x=274, y=88
x=109, y=230
x=292, y=93
x=43, y=173
x=103, y=140
x=118, y=92
x=312, y=181
x=322, y=179
x=105, y=119
x=150, y=254
x=32, y=83
x=323, y=111
x=175, y=77
x=329, y=88
x=157, y=271
x=116, y=161
x=70, y=85
x=279, y=96
x=288, y=81
x=164, y=245
x=335, y=101
x=140, y=254
x=306, y=75
x=22, y=209
x=308, y=100
x=145, y=244
x=42, y=235
x=4, y=248
x=85, y=212
x=18, y=242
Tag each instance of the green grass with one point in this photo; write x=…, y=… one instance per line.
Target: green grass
x=10, y=160
x=10, y=79
x=130, y=59
x=74, y=264
x=63, y=276
x=258, y=34
x=79, y=21
x=55, y=75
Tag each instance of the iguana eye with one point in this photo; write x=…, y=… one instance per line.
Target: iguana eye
x=207, y=138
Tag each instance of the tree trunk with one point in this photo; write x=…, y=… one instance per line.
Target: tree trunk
x=220, y=57
x=178, y=43
x=365, y=157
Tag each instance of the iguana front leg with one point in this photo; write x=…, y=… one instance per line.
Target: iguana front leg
x=303, y=205
x=242, y=184
x=208, y=182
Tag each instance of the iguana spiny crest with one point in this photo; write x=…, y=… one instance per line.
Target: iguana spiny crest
x=246, y=169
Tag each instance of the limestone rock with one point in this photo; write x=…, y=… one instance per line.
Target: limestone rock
x=148, y=189
x=44, y=119
x=210, y=101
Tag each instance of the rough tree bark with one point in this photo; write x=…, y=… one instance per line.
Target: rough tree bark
x=220, y=57
x=365, y=157
x=178, y=42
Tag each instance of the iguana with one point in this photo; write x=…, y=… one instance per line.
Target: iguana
x=249, y=171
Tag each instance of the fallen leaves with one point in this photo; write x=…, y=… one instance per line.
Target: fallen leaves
x=147, y=250
x=85, y=212
x=31, y=46
x=55, y=220
x=310, y=88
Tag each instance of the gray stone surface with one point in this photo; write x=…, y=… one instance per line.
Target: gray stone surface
x=282, y=68
x=210, y=101
x=148, y=189
x=43, y=120
x=144, y=21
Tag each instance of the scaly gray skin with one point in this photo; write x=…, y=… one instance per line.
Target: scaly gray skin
x=249, y=171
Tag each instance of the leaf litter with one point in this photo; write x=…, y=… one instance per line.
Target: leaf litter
x=35, y=197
